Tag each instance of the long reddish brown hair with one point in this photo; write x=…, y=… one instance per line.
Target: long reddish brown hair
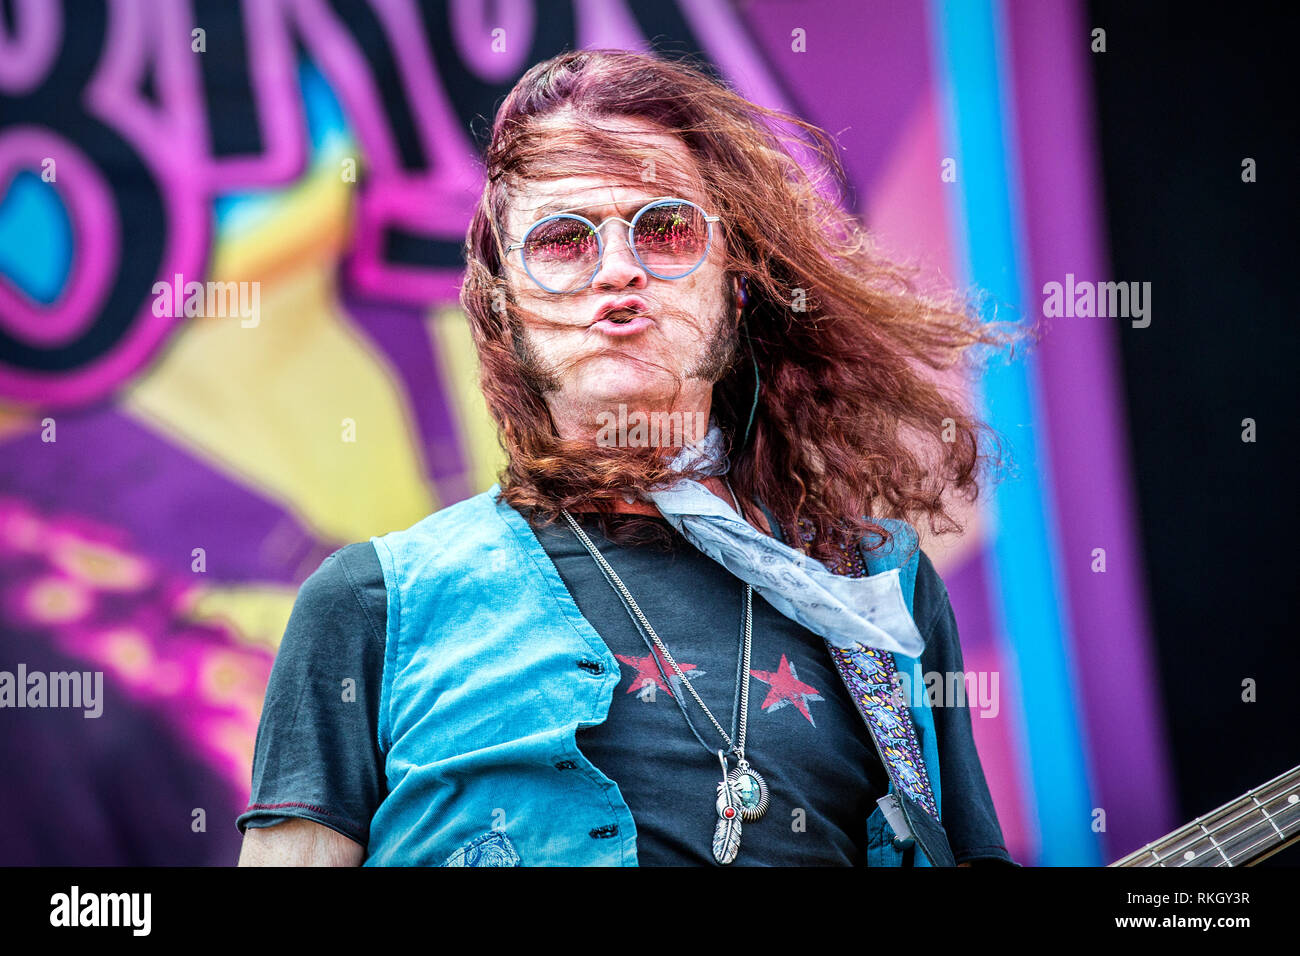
x=848, y=424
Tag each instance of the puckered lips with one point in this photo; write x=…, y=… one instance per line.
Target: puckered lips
x=626, y=315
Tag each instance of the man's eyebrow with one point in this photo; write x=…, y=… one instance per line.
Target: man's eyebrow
x=631, y=205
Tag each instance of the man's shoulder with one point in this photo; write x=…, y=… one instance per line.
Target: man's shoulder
x=357, y=561
x=352, y=567
x=930, y=595
x=341, y=605
x=467, y=512
x=475, y=531
x=934, y=615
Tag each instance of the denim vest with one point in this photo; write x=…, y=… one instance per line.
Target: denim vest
x=489, y=671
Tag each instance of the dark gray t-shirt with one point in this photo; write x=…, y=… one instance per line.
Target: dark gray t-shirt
x=317, y=754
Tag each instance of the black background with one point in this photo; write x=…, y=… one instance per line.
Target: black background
x=1182, y=97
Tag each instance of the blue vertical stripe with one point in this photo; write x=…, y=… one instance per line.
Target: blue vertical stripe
x=1028, y=590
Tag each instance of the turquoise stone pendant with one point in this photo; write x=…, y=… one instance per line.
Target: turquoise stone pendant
x=751, y=789
x=742, y=796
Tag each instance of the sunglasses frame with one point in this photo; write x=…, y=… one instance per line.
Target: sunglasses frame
x=631, y=244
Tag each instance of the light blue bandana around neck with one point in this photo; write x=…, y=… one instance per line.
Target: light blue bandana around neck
x=844, y=610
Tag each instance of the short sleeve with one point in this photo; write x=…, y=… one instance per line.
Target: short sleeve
x=968, y=814
x=317, y=753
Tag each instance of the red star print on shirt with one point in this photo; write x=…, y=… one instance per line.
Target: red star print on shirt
x=785, y=687
x=648, y=673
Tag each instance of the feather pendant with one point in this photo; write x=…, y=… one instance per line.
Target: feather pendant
x=726, y=835
x=726, y=839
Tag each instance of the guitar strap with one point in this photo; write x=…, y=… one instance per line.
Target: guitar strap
x=871, y=675
x=872, y=679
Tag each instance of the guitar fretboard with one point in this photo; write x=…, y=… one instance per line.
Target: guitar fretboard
x=1250, y=828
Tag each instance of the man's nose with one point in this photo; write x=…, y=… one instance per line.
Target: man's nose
x=619, y=268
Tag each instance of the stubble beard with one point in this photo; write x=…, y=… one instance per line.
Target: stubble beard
x=719, y=355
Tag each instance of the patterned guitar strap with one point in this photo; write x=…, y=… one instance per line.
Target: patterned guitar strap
x=871, y=676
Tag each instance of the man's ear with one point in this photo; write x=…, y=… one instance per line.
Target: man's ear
x=500, y=297
x=740, y=293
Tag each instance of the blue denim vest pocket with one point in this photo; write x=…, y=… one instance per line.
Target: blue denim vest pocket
x=492, y=848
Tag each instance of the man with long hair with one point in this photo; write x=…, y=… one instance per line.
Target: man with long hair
x=691, y=622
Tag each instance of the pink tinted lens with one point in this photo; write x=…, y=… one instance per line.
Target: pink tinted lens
x=562, y=252
x=671, y=238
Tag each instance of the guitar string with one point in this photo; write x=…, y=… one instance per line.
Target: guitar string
x=1272, y=826
x=1172, y=838
x=1209, y=833
x=1282, y=839
x=1226, y=859
x=1200, y=837
x=1231, y=858
x=1192, y=827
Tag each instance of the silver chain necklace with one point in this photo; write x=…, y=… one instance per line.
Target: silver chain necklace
x=742, y=794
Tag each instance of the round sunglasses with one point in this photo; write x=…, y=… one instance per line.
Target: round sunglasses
x=669, y=237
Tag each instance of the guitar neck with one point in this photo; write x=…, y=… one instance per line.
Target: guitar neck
x=1241, y=833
